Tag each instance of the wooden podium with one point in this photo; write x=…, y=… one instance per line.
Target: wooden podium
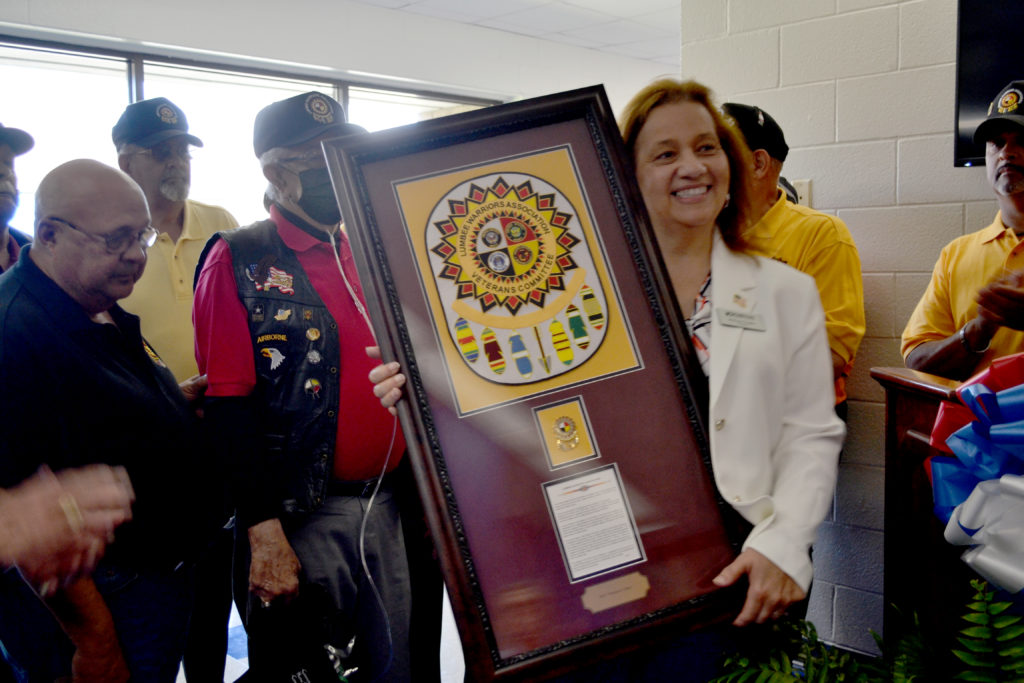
x=923, y=573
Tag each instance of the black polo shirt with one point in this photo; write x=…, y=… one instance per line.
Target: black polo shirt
x=74, y=392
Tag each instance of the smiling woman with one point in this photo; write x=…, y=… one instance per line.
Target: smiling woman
x=681, y=168
x=758, y=328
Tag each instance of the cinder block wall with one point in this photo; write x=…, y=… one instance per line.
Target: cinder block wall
x=864, y=91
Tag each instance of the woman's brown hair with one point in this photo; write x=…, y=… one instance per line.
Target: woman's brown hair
x=734, y=219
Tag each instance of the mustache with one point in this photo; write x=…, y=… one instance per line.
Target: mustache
x=1010, y=167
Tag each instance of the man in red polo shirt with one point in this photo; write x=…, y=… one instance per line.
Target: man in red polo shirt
x=281, y=333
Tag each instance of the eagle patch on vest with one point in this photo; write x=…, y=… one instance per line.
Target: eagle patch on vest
x=265, y=276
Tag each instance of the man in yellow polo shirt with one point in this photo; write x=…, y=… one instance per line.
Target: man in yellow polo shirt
x=152, y=141
x=973, y=309
x=810, y=241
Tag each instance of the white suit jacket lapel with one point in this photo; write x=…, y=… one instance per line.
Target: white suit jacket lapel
x=733, y=287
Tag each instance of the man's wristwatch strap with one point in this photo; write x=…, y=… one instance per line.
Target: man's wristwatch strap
x=967, y=345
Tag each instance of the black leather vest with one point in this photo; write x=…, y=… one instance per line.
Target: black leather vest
x=296, y=348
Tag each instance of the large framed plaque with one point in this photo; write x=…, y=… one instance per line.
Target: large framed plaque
x=553, y=405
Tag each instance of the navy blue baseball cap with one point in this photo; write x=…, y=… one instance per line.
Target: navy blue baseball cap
x=299, y=119
x=18, y=140
x=150, y=122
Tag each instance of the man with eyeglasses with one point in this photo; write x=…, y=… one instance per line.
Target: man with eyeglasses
x=153, y=147
x=13, y=143
x=82, y=386
x=281, y=332
x=153, y=143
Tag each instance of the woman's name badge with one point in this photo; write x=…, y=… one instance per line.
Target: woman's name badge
x=747, y=321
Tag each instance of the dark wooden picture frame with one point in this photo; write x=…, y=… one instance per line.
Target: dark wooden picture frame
x=571, y=500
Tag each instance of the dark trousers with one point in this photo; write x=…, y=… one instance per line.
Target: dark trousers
x=207, y=644
x=400, y=642
x=150, y=610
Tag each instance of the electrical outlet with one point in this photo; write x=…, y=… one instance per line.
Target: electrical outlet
x=803, y=191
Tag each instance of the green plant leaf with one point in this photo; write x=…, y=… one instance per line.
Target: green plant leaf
x=977, y=645
x=1005, y=620
x=1010, y=633
x=999, y=607
x=969, y=658
x=977, y=618
x=977, y=632
x=976, y=676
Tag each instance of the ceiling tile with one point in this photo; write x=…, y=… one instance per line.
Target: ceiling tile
x=642, y=29
x=564, y=39
x=670, y=19
x=390, y=4
x=625, y=9
x=471, y=11
x=618, y=32
x=647, y=49
x=556, y=17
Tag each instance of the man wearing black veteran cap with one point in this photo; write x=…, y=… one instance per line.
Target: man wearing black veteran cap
x=810, y=241
x=973, y=309
x=153, y=141
x=282, y=333
x=13, y=142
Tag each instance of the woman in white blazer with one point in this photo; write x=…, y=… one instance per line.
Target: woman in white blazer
x=759, y=331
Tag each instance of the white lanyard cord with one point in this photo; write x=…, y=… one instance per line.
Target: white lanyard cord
x=348, y=286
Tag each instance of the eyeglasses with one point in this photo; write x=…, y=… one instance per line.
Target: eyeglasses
x=162, y=153
x=117, y=242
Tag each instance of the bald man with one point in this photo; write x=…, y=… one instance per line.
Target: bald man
x=81, y=386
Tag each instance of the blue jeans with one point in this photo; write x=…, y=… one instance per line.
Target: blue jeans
x=151, y=610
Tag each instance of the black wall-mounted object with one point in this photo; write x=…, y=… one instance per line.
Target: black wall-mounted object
x=988, y=56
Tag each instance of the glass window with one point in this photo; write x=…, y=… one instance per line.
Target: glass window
x=70, y=102
x=86, y=93
x=221, y=108
x=379, y=109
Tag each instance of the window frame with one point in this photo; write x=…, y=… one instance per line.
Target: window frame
x=136, y=60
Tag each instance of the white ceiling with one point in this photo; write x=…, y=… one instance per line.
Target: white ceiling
x=642, y=29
